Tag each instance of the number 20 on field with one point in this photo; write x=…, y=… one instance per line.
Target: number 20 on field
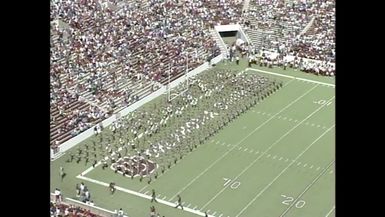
x=287, y=201
x=322, y=102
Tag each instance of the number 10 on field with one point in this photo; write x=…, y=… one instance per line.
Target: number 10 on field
x=233, y=184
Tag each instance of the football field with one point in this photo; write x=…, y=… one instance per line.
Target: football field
x=277, y=159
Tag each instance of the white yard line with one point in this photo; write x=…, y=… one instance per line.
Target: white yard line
x=330, y=211
x=143, y=188
x=197, y=212
x=90, y=168
x=288, y=76
x=252, y=132
x=308, y=187
x=284, y=170
x=270, y=147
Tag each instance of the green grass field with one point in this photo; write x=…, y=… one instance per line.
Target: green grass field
x=277, y=159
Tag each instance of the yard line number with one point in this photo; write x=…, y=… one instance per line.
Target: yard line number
x=287, y=201
x=233, y=184
x=322, y=102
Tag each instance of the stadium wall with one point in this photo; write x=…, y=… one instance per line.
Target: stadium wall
x=94, y=209
x=89, y=132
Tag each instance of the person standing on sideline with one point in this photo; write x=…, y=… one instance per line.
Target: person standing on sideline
x=153, y=196
x=179, y=202
x=62, y=173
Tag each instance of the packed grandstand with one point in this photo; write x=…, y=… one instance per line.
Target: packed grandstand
x=105, y=57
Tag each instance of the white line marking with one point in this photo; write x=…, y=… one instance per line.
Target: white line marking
x=140, y=191
x=318, y=125
x=228, y=145
x=239, y=148
x=141, y=195
x=90, y=168
x=188, y=205
x=275, y=156
x=311, y=166
x=256, y=152
x=164, y=197
x=330, y=211
x=288, y=76
x=245, y=149
x=323, y=127
x=212, y=141
x=307, y=188
x=318, y=168
x=295, y=120
x=298, y=163
x=214, y=213
x=307, y=123
x=226, y=153
x=279, y=117
x=251, y=151
x=253, y=111
x=220, y=215
x=331, y=171
x=217, y=142
x=195, y=207
x=268, y=185
x=312, y=125
x=263, y=113
x=268, y=155
x=280, y=158
x=290, y=119
x=272, y=145
x=79, y=202
x=287, y=159
x=284, y=118
x=146, y=192
x=223, y=144
x=258, y=112
x=304, y=165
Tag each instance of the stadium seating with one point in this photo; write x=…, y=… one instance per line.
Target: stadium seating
x=65, y=210
x=111, y=55
x=304, y=30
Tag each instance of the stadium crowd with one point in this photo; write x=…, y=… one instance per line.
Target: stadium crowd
x=66, y=210
x=304, y=29
x=104, y=58
x=99, y=49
